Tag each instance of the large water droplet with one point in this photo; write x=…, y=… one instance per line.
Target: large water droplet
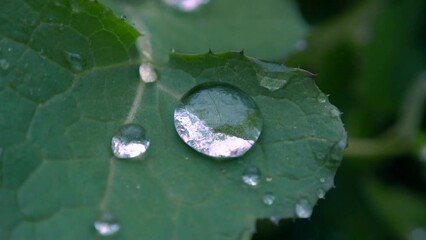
x=130, y=141
x=303, y=208
x=147, y=73
x=107, y=225
x=4, y=64
x=251, y=176
x=272, y=84
x=75, y=61
x=218, y=120
x=186, y=5
x=268, y=198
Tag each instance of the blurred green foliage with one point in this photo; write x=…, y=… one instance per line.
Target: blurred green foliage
x=369, y=56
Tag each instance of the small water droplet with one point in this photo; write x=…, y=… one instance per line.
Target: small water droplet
x=303, y=208
x=320, y=193
x=268, y=199
x=123, y=17
x=335, y=113
x=272, y=84
x=186, y=5
x=218, y=120
x=268, y=179
x=322, y=98
x=147, y=73
x=251, y=176
x=107, y=225
x=339, y=147
x=75, y=61
x=4, y=64
x=9, y=49
x=138, y=187
x=322, y=180
x=130, y=141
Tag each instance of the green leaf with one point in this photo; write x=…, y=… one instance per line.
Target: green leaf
x=69, y=80
x=268, y=29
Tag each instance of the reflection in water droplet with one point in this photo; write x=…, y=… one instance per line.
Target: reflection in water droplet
x=186, y=5
x=320, y=193
x=218, y=120
x=75, y=61
x=322, y=180
x=272, y=84
x=4, y=64
x=251, y=176
x=107, y=225
x=130, y=141
x=147, y=73
x=303, y=208
x=268, y=199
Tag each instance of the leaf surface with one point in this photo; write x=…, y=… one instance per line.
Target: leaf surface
x=69, y=80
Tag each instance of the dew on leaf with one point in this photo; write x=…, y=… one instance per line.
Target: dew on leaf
x=320, y=193
x=4, y=64
x=186, y=5
x=107, y=225
x=339, y=147
x=321, y=98
x=251, y=176
x=75, y=61
x=272, y=84
x=268, y=199
x=130, y=141
x=218, y=120
x=147, y=73
x=268, y=179
x=303, y=208
x=335, y=113
x=322, y=180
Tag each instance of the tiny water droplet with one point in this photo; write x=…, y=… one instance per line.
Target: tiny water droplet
x=4, y=64
x=303, y=208
x=218, y=120
x=9, y=49
x=339, y=147
x=130, y=141
x=107, y=225
x=272, y=84
x=75, y=61
x=138, y=187
x=320, y=193
x=322, y=98
x=147, y=73
x=123, y=17
x=268, y=199
x=322, y=180
x=251, y=176
x=268, y=179
x=335, y=113
x=186, y=5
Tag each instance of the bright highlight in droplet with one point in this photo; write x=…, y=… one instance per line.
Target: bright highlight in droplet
x=186, y=5
x=218, y=120
x=107, y=225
